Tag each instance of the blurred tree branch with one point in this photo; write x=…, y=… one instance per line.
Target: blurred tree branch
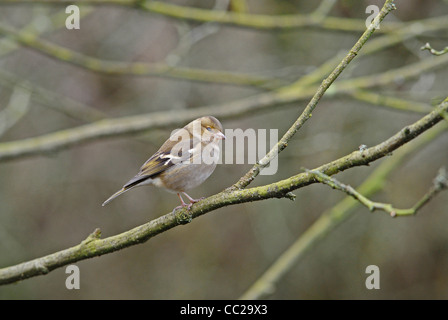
x=135, y=68
x=69, y=107
x=55, y=20
x=194, y=35
x=238, y=6
x=246, y=20
x=389, y=102
x=30, y=39
x=433, y=51
x=17, y=107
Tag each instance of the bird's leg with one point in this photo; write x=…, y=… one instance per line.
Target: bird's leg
x=192, y=200
x=183, y=205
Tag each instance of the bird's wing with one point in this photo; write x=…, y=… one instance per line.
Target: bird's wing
x=169, y=154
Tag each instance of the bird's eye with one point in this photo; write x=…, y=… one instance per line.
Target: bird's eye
x=209, y=128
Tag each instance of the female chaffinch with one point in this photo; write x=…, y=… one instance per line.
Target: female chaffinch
x=183, y=162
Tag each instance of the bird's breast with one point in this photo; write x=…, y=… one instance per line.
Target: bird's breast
x=183, y=177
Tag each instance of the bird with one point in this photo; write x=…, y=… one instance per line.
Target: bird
x=183, y=162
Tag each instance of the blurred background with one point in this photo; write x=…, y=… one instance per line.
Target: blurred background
x=51, y=202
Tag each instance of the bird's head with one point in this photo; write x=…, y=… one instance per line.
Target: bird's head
x=208, y=127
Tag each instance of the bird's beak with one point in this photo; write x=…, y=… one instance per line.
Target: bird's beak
x=220, y=136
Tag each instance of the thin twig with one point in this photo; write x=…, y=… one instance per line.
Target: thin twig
x=440, y=183
x=435, y=52
x=238, y=19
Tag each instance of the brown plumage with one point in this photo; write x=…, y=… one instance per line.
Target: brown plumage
x=183, y=162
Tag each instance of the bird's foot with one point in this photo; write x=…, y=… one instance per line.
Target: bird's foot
x=192, y=200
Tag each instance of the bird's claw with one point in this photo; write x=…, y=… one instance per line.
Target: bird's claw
x=195, y=200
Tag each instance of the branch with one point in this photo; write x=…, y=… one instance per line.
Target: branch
x=281, y=189
x=70, y=107
x=440, y=183
x=323, y=10
x=392, y=76
x=194, y=35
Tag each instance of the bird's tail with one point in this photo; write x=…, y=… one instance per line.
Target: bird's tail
x=116, y=194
